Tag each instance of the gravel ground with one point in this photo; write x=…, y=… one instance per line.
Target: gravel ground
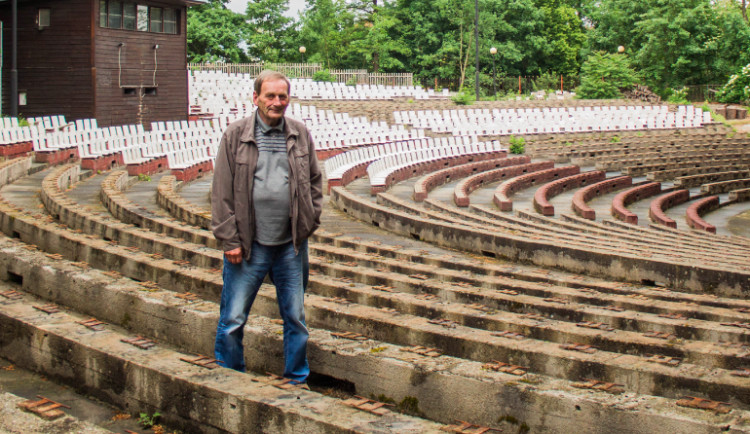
x=13, y=420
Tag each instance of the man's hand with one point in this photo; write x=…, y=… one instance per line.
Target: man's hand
x=234, y=256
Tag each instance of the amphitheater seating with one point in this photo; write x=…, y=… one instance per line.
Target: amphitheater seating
x=664, y=202
x=696, y=210
x=516, y=166
x=587, y=193
x=629, y=196
x=507, y=188
x=439, y=177
x=550, y=189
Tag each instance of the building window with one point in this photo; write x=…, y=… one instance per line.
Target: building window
x=43, y=18
x=170, y=21
x=128, y=16
x=156, y=20
x=142, y=18
x=116, y=14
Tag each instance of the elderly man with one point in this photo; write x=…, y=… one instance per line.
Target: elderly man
x=265, y=202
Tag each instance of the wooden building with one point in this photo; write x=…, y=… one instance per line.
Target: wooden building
x=117, y=61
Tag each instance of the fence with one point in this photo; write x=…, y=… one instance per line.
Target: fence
x=522, y=84
x=703, y=92
x=306, y=70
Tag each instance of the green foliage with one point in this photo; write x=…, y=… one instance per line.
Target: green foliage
x=678, y=96
x=143, y=177
x=463, y=98
x=215, y=34
x=737, y=89
x=605, y=76
x=517, y=145
x=705, y=107
x=615, y=139
x=323, y=75
x=147, y=421
x=269, y=30
x=352, y=81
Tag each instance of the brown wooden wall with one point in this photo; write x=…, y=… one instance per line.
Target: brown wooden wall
x=113, y=107
x=54, y=64
x=71, y=67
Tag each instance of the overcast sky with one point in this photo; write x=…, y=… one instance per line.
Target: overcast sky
x=294, y=6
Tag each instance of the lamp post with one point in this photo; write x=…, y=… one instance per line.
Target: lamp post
x=493, y=51
x=476, y=47
x=621, y=49
x=302, y=50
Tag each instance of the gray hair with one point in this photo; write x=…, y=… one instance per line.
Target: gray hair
x=270, y=75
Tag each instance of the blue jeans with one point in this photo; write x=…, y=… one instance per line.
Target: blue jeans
x=288, y=271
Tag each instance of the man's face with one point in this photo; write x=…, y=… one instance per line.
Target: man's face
x=272, y=101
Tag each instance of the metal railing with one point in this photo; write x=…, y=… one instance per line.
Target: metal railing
x=306, y=70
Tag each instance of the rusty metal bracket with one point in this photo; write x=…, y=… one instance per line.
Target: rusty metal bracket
x=443, y=322
x=188, y=296
x=184, y=263
x=744, y=372
x=743, y=325
x=343, y=279
x=507, y=291
x=55, y=256
x=281, y=382
x=350, y=335
x=132, y=249
x=419, y=276
x=583, y=348
x=384, y=288
x=140, y=342
x=339, y=300
x=11, y=294
x=612, y=388
x=659, y=335
x=149, y=285
x=510, y=335
x=93, y=324
x=673, y=316
x=390, y=310
x=663, y=360
x=505, y=367
x=202, y=361
x=535, y=316
x=717, y=407
x=479, y=306
x=423, y=351
x=113, y=274
x=82, y=265
x=463, y=427
x=612, y=308
x=427, y=296
x=349, y=264
x=595, y=325
x=368, y=405
x=48, y=308
x=156, y=256
x=743, y=309
x=44, y=408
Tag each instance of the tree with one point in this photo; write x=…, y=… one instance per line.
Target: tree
x=215, y=33
x=605, y=75
x=379, y=46
x=267, y=26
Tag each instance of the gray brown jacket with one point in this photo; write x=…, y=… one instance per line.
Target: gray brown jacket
x=232, y=212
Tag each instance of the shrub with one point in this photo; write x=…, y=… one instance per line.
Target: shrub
x=678, y=96
x=605, y=76
x=323, y=75
x=737, y=89
x=463, y=98
x=352, y=81
x=517, y=145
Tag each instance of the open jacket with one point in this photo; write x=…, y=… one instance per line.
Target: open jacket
x=232, y=212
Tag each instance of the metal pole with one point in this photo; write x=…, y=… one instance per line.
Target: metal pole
x=476, y=48
x=14, y=61
x=494, y=88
